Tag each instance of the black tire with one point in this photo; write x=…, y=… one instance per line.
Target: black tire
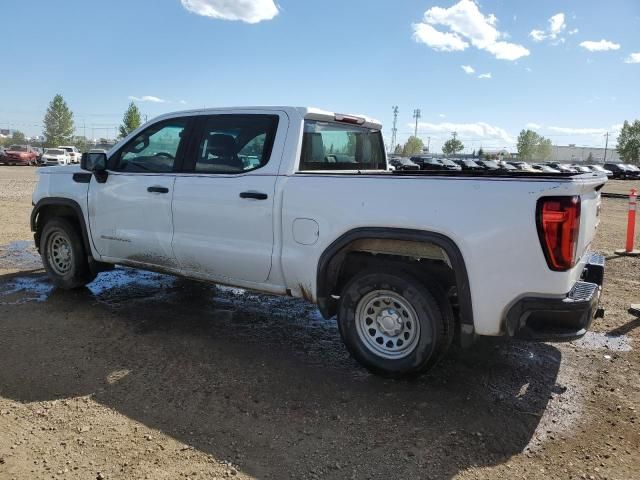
x=429, y=303
x=67, y=236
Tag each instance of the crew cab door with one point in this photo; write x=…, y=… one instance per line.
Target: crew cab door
x=223, y=203
x=130, y=213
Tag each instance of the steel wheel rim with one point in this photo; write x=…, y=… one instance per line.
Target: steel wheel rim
x=60, y=253
x=387, y=324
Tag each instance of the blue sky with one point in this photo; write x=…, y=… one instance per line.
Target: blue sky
x=567, y=68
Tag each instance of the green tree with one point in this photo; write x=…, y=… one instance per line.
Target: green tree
x=532, y=146
x=480, y=153
x=58, y=122
x=544, y=149
x=590, y=158
x=398, y=150
x=131, y=120
x=629, y=142
x=18, y=138
x=82, y=143
x=452, y=146
x=413, y=146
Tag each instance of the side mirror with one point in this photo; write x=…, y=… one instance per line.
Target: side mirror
x=95, y=162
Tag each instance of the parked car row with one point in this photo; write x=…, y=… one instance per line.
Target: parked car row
x=425, y=162
x=28, y=155
x=623, y=170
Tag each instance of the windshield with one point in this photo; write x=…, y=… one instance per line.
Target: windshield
x=491, y=164
x=337, y=146
x=54, y=151
x=18, y=148
x=448, y=163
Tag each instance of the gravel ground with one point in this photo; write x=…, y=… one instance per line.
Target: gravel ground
x=142, y=375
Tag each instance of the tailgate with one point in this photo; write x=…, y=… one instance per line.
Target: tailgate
x=590, y=205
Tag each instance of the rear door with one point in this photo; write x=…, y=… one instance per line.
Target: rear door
x=223, y=203
x=130, y=214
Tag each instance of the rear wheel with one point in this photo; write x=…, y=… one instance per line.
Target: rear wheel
x=63, y=255
x=393, y=324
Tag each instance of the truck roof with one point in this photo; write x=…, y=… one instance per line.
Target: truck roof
x=303, y=112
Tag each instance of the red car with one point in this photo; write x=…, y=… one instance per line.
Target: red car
x=20, y=155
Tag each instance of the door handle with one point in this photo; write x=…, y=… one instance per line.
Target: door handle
x=157, y=189
x=254, y=195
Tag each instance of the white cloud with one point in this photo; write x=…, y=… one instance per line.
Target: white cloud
x=533, y=126
x=557, y=25
x=441, y=115
x=249, y=11
x=441, y=41
x=148, y=98
x=573, y=32
x=468, y=69
x=633, y=58
x=579, y=131
x=474, y=130
x=466, y=25
x=182, y=102
x=537, y=35
x=485, y=75
x=601, y=46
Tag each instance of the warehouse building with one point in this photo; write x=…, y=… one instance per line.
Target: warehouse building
x=574, y=154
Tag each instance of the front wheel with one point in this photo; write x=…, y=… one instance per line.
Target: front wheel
x=63, y=255
x=393, y=324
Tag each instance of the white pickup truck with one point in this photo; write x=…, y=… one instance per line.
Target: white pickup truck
x=299, y=202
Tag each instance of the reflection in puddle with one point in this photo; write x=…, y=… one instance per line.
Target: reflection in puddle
x=114, y=287
x=25, y=289
x=130, y=280
x=603, y=341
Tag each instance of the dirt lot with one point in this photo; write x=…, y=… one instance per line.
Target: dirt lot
x=143, y=375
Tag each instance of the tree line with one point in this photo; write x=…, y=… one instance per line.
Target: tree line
x=59, y=127
x=533, y=146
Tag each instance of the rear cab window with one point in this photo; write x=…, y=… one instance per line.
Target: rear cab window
x=330, y=146
x=234, y=144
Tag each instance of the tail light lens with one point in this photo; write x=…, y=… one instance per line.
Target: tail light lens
x=558, y=221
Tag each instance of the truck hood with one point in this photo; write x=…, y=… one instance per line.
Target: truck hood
x=68, y=169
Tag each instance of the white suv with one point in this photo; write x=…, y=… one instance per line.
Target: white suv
x=55, y=156
x=74, y=153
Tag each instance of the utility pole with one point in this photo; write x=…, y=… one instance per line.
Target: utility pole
x=417, y=115
x=428, y=144
x=606, y=145
x=394, y=130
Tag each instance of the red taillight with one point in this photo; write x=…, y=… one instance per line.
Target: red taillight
x=558, y=220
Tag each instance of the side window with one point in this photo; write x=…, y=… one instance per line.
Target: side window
x=153, y=150
x=235, y=143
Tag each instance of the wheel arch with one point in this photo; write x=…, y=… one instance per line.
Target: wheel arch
x=332, y=259
x=58, y=206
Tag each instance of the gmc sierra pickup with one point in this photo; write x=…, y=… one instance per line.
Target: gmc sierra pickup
x=299, y=202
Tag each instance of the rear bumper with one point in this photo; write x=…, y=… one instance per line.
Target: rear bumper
x=560, y=319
